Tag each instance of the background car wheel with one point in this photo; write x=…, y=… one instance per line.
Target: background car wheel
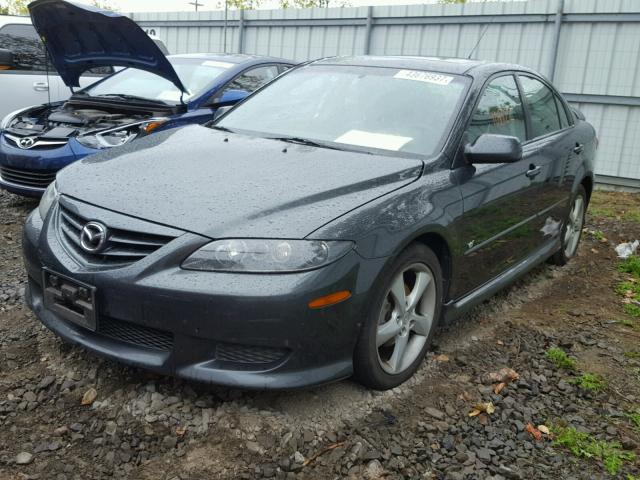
x=572, y=230
x=400, y=324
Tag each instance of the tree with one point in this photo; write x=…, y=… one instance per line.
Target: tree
x=14, y=7
x=313, y=3
x=103, y=5
x=242, y=4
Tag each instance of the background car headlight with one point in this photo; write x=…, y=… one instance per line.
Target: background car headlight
x=48, y=199
x=264, y=256
x=7, y=119
x=115, y=137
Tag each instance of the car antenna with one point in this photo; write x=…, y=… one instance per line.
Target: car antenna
x=486, y=27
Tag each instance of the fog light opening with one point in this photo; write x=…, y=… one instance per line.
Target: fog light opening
x=330, y=299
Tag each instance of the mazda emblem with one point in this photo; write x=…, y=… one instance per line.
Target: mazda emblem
x=93, y=237
x=26, y=142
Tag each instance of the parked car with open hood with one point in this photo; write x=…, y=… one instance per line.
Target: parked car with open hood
x=152, y=93
x=26, y=77
x=321, y=228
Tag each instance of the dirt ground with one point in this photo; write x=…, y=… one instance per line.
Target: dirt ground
x=454, y=420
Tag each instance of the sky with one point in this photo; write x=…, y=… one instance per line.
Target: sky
x=183, y=5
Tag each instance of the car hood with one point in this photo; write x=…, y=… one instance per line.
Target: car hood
x=227, y=185
x=80, y=37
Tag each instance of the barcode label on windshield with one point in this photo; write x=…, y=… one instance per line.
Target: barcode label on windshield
x=427, y=77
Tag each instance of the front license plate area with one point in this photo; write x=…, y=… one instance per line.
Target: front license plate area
x=70, y=299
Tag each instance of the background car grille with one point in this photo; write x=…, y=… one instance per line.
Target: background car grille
x=138, y=335
x=123, y=246
x=249, y=354
x=28, y=178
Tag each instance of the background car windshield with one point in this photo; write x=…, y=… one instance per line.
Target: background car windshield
x=382, y=108
x=196, y=75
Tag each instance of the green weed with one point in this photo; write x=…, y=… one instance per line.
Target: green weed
x=589, y=381
x=584, y=445
x=560, y=359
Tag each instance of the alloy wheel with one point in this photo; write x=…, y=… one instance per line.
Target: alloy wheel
x=406, y=318
x=574, y=227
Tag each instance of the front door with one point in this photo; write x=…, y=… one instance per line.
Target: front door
x=500, y=221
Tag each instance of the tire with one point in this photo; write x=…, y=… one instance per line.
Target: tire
x=377, y=362
x=572, y=229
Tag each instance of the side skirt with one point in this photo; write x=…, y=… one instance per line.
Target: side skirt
x=456, y=308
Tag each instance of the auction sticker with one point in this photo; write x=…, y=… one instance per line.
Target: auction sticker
x=427, y=77
x=373, y=140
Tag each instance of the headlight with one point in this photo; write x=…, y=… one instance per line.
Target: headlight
x=114, y=137
x=264, y=256
x=7, y=120
x=48, y=199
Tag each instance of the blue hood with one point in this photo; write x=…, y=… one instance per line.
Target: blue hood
x=80, y=37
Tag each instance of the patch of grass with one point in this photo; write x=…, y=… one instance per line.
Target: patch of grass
x=616, y=205
x=560, y=359
x=631, y=265
x=632, y=309
x=589, y=381
x=632, y=355
x=583, y=445
x=628, y=289
x=634, y=417
x=597, y=235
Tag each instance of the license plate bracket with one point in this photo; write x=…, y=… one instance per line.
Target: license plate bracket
x=72, y=300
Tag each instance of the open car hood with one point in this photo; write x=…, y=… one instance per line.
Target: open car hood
x=80, y=37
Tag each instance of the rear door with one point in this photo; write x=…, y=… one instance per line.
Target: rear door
x=551, y=133
x=26, y=84
x=500, y=221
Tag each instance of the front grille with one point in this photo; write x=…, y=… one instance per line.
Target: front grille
x=28, y=178
x=122, y=247
x=248, y=354
x=134, y=334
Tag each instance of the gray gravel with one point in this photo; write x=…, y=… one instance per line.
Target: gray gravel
x=145, y=426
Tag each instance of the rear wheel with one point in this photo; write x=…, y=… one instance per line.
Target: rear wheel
x=401, y=321
x=572, y=231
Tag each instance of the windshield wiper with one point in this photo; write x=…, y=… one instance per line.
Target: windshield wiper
x=218, y=127
x=306, y=141
x=131, y=97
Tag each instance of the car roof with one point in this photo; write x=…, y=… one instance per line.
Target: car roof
x=455, y=66
x=238, y=58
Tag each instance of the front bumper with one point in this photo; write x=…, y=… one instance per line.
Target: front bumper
x=29, y=171
x=238, y=330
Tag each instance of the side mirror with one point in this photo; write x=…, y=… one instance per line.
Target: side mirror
x=230, y=97
x=6, y=59
x=221, y=111
x=490, y=148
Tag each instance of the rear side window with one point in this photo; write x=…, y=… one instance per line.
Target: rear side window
x=541, y=103
x=253, y=79
x=25, y=44
x=499, y=111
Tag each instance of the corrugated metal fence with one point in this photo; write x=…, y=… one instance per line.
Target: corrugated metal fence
x=590, y=48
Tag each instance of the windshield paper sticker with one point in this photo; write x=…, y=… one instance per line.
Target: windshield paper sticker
x=373, y=140
x=426, y=77
x=213, y=63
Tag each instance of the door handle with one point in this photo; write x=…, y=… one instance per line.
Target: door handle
x=40, y=86
x=578, y=148
x=533, y=171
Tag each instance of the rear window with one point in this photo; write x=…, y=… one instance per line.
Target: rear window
x=25, y=44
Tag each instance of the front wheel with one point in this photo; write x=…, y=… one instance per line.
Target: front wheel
x=572, y=230
x=399, y=326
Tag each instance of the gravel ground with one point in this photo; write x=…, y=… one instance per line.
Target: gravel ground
x=142, y=426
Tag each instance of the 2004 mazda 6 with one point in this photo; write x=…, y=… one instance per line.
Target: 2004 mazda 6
x=320, y=229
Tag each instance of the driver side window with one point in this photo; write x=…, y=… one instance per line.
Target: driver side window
x=499, y=111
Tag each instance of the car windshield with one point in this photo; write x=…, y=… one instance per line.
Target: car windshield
x=196, y=75
x=389, y=109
